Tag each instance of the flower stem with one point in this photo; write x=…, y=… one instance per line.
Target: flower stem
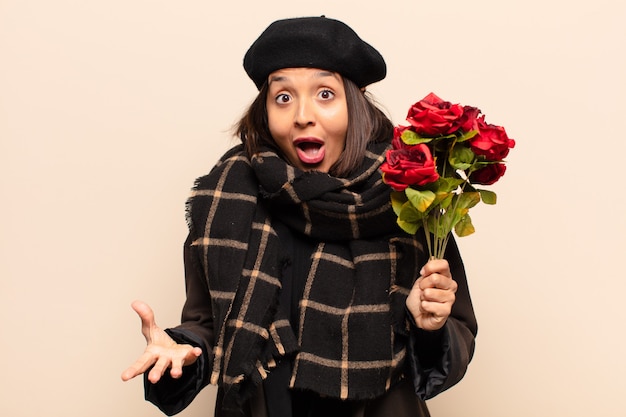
x=427, y=233
x=442, y=247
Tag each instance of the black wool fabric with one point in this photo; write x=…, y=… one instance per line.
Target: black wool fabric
x=313, y=42
x=352, y=330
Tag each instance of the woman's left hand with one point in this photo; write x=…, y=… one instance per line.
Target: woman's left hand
x=431, y=298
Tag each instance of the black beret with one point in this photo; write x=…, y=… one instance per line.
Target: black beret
x=314, y=42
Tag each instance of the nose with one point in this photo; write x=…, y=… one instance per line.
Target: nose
x=305, y=114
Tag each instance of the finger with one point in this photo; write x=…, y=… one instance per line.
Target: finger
x=417, y=283
x=441, y=299
x=158, y=369
x=140, y=366
x=415, y=295
x=434, y=323
x=189, y=356
x=439, y=281
x=195, y=353
x=128, y=374
x=439, y=266
x=147, y=318
x=438, y=288
x=177, y=367
x=438, y=311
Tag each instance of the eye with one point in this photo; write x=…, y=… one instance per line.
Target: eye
x=283, y=98
x=326, y=94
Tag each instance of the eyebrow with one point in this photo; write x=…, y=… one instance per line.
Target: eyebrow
x=318, y=74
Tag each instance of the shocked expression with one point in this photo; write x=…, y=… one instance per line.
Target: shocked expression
x=307, y=115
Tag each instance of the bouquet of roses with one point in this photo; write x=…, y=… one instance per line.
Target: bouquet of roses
x=435, y=165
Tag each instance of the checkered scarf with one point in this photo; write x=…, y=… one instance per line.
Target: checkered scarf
x=352, y=328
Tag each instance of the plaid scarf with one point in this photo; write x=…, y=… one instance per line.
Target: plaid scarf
x=352, y=332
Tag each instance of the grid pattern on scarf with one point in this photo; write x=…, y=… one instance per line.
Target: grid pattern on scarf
x=351, y=334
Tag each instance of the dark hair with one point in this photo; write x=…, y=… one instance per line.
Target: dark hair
x=366, y=123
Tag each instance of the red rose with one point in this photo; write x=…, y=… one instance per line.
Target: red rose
x=397, y=133
x=491, y=141
x=488, y=174
x=408, y=165
x=469, y=120
x=433, y=116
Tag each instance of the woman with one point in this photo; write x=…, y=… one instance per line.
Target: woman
x=304, y=298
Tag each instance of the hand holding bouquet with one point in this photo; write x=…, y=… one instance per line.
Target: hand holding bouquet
x=435, y=164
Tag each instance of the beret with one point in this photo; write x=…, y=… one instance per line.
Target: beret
x=313, y=42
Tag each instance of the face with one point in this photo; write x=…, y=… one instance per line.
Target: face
x=307, y=115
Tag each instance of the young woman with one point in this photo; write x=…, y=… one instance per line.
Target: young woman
x=304, y=298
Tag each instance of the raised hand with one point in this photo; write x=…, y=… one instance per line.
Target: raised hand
x=161, y=350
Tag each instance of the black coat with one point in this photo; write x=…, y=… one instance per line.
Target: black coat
x=436, y=360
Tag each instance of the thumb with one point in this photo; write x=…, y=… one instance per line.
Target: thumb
x=146, y=315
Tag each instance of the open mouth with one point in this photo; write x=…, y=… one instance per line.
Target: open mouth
x=310, y=150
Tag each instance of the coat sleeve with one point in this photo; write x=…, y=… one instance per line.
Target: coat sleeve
x=173, y=395
x=439, y=359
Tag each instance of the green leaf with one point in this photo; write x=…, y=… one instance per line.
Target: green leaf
x=409, y=227
x=409, y=219
x=443, y=199
x=459, y=214
x=411, y=138
x=467, y=135
x=461, y=157
x=448, y=184
x=397, y=201
x=478, y=164
x=408, y=213
x=449, y=220
x=488, y=197
x=468, y=199
x=434, y=226
x=421, y=200
x=464, y=227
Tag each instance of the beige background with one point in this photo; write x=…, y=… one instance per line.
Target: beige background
x=110, y=109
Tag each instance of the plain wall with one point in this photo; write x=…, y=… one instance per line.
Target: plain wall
x=110, y=109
